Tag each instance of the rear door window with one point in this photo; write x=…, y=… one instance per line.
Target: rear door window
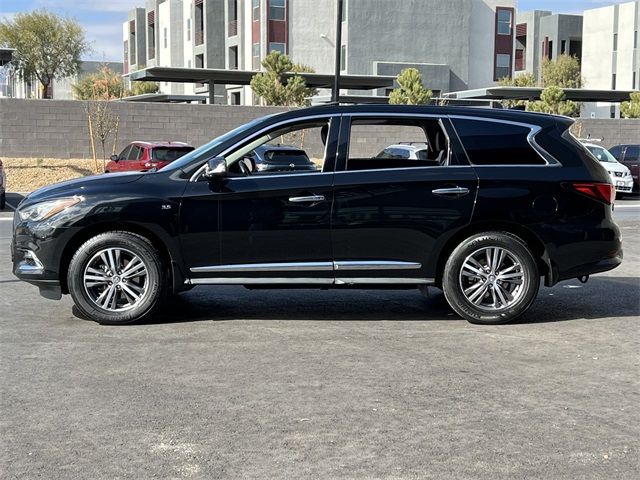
x=496, y=143
x=633, y=153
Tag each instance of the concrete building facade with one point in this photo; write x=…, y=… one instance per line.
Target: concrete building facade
x=541, y=34
x=611, y=58
x=458, y=44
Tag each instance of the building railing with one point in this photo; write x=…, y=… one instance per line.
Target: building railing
x=199, y=37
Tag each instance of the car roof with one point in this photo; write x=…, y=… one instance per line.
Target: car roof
x=535, y=118
x=154, y=144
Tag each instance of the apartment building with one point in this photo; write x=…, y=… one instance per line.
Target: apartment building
x=611, y=58
x=541, y=34
x=457, y=45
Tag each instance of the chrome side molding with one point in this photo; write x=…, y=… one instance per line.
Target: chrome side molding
x=343, y=265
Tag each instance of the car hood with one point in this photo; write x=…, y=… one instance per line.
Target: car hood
x=79, y=185
x=614, y=167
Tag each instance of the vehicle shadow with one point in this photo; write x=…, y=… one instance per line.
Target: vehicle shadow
x=602, y=297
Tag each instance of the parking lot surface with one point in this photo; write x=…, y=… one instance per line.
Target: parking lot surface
x=231, y=383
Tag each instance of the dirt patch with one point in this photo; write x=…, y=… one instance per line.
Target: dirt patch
x=28, y=174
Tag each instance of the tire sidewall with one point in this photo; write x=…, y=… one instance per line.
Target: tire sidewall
x=453, y=291
x=139, y=246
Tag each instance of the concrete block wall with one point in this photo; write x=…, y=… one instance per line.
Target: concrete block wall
x=609, y=132
x=59, y=129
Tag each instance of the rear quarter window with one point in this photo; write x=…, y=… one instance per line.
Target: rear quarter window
x=496, y=143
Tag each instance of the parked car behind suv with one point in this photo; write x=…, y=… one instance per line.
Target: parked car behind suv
x=143, y=156
x=620, y=174
x=513, y=198
x=280, y=158
x=629, y=155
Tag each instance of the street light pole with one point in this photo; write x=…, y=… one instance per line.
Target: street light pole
x=335, y=97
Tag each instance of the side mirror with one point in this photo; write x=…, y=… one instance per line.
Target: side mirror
x=216, y=168
x=115, y=158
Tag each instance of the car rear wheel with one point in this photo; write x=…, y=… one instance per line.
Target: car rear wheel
x=491, y=278
x=117, y=278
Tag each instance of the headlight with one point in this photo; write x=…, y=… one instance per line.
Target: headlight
x=42, y=211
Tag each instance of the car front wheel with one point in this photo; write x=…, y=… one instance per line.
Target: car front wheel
x=117, y=278
x=491, y=278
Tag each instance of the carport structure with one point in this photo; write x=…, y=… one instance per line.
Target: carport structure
x=533, y=93
x=214, y=76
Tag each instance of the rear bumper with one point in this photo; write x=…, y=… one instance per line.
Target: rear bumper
x=603, y=265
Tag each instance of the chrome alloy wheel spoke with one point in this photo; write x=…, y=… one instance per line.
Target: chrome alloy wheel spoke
x=492, y=278
x=116, y=279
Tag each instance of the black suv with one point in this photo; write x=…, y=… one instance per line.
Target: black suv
x=513, y=197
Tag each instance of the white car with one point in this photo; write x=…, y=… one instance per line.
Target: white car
x=620, y=174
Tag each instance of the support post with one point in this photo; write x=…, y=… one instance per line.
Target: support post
x=335, y=97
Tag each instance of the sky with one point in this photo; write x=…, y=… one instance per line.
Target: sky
x=102, y=19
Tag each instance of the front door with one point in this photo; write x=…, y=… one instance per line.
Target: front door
x=265, y=226
x=401, y=189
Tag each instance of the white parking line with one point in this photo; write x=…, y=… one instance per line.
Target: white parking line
x=626, y=206
x=6, y=219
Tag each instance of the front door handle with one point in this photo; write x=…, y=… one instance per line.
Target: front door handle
x=453, y=192
x=309, y=199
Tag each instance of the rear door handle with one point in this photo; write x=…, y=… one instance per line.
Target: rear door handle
x=309, y=199
x=451, y=192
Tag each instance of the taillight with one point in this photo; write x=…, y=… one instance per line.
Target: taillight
x=604, y=192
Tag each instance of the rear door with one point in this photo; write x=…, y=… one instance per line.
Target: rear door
x=632, y=160
x=391, y=216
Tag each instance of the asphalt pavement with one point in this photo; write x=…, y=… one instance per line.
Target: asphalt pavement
x=231, y=383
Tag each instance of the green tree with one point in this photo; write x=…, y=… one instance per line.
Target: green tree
x=563, y=72
x=105, y=84
x=523, y=80
x=553, y=100
x=47, y=46
x=280, y=83
x=631, y=109
x=143, y=88
x=411, y=90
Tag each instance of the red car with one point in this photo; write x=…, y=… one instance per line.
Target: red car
x=143, y=156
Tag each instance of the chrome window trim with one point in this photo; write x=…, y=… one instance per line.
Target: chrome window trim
x=550, y=161
x=199, y=171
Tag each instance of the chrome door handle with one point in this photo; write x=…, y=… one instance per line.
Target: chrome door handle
x=309, y=199
x=451, y=192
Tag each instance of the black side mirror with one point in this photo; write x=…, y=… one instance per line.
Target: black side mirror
x=216, y=168
x=115, y=158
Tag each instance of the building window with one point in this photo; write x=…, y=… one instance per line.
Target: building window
x=343, y=57
x=234, y=98
x=503, y=66
x=256, y=56
x=151, y=34
x=200, y=61
x=613, y=81
x=505, y=18
x=278, y=47
x=612, y=111
x=233, y=18
x=188, y=29
x=344, y=10
x=615, y=42
x=165, y=37
x=233, y=58
x=563, y=47
x=277, y=10
x=199, y=27
x=256, y=10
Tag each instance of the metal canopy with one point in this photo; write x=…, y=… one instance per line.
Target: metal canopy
x=533, y=93
x=243, y=77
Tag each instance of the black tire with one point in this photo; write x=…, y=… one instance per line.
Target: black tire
x=3, y=200
x=522, y=295
x=154, y=287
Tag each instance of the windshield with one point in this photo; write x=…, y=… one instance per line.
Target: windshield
x=602, y=154
x=195, y=154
